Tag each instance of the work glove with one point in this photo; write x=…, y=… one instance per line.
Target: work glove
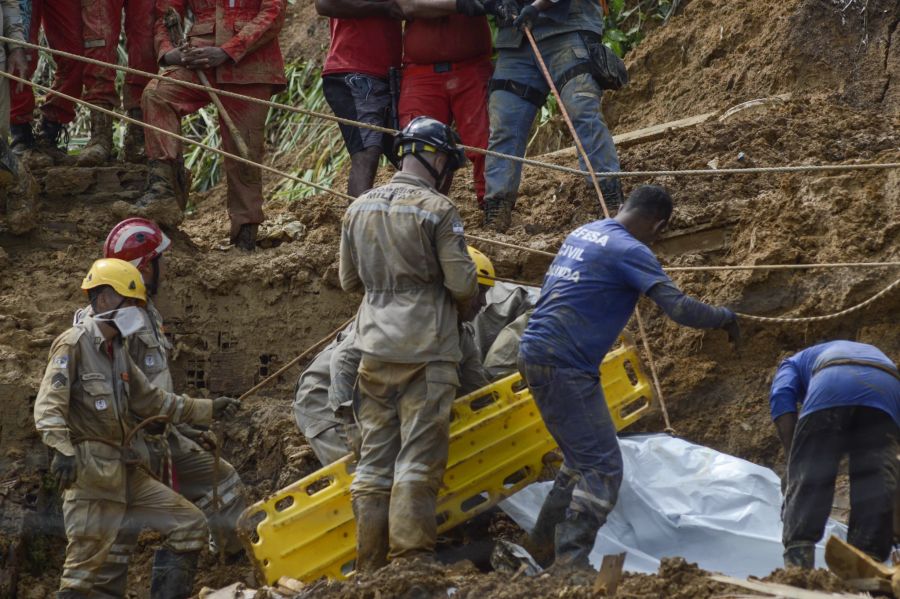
x=504, y=11
x=526, y=18
x=64, y=470
x=204, y=438
x=471, y=8
x=733, y=329
x=225, y=408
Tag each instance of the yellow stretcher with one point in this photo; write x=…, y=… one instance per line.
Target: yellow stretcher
x=498, y=445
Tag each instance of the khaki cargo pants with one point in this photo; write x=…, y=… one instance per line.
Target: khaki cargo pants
x=94, y=527
x=404, y=418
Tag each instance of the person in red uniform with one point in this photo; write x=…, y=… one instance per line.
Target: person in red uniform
x=102, y=26
x=61, y=20
x=236, y=43
x=447, y=69
x=366, y=38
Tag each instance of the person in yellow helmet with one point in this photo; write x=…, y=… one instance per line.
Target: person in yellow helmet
x=89, y=386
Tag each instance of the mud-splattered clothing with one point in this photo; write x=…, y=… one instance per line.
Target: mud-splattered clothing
x=88, y=390
x=248, y=32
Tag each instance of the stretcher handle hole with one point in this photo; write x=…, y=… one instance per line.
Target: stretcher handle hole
x=284, y=503
x=474, y=501
x=629, y=371
x=516, y=477
x=633, y=407
x=480, y=403
x=319, y=485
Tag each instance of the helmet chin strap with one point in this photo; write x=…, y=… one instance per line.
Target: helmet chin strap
x=439, y=177
x=153, y=285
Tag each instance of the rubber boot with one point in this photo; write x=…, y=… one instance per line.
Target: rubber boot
x=24, y=146
x=173, y=574
x=246, y=237
x=498, y=214
x=612, y=195
x=801, y=555
x=159, y=201
x=553, y=512
x=133, y=144
x=413, y=523
x=371, y=514
x=9, y=170
x=53, y=141
x=575, y=538
x=98, y=149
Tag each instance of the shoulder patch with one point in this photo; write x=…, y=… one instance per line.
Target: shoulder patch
x=59, y=381
x=457, y=227
x=61, y=362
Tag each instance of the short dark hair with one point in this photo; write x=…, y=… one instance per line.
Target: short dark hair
x=650, y=201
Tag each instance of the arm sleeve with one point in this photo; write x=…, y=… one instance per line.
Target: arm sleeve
x=147, y=400
x=472, y=375
x=161, y=36
x=51, y=408
x=788, y=389
x=459, y=270
x=686, y=310
x=641, y=270
x=262, y=29
x=347, y=272
x=12, y=21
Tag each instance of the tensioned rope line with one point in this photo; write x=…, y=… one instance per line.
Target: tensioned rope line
x=812, y=168
x=181, y=138
x=347, y=197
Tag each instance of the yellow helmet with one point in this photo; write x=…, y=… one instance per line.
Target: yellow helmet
x=122, y=276
x=483, y=267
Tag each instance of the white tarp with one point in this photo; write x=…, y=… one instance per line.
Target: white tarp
x=681, y=499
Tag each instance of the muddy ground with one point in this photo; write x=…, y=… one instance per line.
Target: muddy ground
x=234, y=318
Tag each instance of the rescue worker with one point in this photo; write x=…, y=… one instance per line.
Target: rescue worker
x=103, y=20
x=403, y=244
x=61, y=21
x=237, y=45
x=324, y=395
x=365, y=45
x=90, y=384
x=848, y=398
x=568, y=33
x=447, y=66
x=587, y=297
x=177, y=455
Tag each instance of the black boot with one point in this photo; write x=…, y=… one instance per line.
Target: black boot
x=173, y=574
x=22, y=138
x=53, y=141
x=800, y=556
x=246, y=237
x=498, y=214
x=575, y=538
x=612, y=195
x=553, y=511
x=9, y=169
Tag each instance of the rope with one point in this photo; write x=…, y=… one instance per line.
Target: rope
x=596, y=182
x=525, y=161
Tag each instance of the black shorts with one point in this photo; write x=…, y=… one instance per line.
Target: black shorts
x=363, y=98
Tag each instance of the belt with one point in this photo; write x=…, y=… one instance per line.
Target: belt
x=443, y=67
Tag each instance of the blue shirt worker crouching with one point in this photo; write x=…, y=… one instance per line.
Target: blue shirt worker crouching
x=588, y=295
x=848, y=398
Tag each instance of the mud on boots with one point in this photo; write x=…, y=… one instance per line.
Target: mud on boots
x=99, y=149
x=541, y=539
x=173, y=574
x=164, y=197
x=24, y=146
x=53, y=141
x=133, y=144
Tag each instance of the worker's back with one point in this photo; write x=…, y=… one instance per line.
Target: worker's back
x=403, y=243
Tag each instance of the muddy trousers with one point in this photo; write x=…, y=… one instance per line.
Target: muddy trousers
x=193, y=468
x=102, y=26
x=869, y=437
x=164, y=103
x=62, y=26
x=95, y=527
x=404, y=417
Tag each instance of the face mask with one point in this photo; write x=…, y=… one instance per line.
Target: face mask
x=129, y=320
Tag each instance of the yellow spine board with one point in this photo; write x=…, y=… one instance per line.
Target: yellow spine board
x=498, y=445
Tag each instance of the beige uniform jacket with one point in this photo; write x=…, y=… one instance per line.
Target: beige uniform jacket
x=403, y=244
x=85, y=393
x=11, y=24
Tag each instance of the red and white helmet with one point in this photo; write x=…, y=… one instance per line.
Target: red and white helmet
x=136, y=240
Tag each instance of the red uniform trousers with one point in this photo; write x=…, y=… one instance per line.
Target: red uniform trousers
x=62, y=26
x=164, y=104
x=102, y=26
x=458, y=95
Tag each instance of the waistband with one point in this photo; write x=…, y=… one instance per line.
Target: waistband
x=444, y=67
x=851, y=362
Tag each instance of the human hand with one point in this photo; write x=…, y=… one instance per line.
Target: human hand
x=204, y=438
x=173, y=58
x=734, y=330
x=208, y=57
x=526, y=17
x=225, y=408
x=18, y=66
x=64, y=470
x=504, y=11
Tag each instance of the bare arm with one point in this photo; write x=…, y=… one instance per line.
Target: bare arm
x=786, y=424
x=358, y=9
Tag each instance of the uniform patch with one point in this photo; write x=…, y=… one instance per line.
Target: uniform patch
x=59, y=381
x=100, y=404
x=149, y=361
x=61, y=361
x=457, y=227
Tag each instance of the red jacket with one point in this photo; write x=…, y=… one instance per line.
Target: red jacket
x=247, y=30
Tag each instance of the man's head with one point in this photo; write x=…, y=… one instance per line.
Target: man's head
x=646, y=213
x=485, y=272
x=112, y=286
x=429, y=148
x=140, y=242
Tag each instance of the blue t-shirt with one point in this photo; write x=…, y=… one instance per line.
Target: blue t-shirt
x=802, y=380
x=588, y=296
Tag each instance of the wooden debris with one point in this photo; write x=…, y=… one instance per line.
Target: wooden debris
x=782, y=590
x=610, y=574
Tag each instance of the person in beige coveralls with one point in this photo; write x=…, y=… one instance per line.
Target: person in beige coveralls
x=403, y=244
x=89, y=387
